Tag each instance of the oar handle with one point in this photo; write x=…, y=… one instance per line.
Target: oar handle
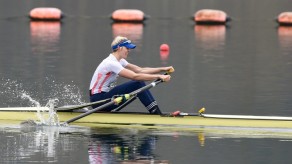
x=168, y=72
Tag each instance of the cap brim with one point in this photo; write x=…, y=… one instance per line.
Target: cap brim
x=130, y=46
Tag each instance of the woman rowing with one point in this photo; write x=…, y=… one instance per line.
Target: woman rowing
x=103, y=82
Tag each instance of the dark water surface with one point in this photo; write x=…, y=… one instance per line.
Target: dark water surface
x=242, y=68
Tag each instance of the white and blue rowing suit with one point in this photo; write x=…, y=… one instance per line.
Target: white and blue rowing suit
x=103, y=85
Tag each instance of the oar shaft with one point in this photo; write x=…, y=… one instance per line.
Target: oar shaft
x=90, y=112
x=153, y=84
x=66, y=108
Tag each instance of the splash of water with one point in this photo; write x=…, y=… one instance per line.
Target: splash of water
x=11, y=92
x=31, y=100
x=50, y=117
x=53, y=118
x=19, y=94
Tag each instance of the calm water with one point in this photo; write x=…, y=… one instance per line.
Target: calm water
x=80, y=144
x=241, y=68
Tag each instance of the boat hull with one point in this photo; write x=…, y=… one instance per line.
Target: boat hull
x=151, y=120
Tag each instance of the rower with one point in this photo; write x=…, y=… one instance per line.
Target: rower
x=103, y=82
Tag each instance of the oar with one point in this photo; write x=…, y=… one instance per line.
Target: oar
x=74, y=107
x=116, y=100
x=124, y=104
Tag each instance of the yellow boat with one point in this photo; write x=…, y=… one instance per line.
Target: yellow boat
x=182, y=120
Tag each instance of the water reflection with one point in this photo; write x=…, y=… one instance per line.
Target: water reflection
x=285, y=39
x=124, y=146
x=110, y=144
x=51, y=143
x=164, y=57
x=133, y=31
x=210, y=38
x=36, y=144
x=23, y=144
x=45, y=36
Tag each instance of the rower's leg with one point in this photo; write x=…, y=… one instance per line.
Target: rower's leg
x=148, y=100
x=145, y=97
x=154, y=109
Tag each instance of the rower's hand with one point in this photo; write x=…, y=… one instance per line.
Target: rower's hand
x=169, y=69
x=165, y=78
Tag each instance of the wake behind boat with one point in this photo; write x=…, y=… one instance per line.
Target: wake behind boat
x=183, y=120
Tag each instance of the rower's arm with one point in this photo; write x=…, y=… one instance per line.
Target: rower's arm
x=129, y=74
x=147, y=70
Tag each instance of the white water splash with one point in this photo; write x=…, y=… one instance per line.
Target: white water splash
x=50, y=117
x=11, y=92
x=53, y=118
x=32, y=101
x=14, y=93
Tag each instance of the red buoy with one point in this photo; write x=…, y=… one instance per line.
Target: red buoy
x=164, y=47
x=210, y=16
x=46, y=14
x=128, y=15
x=285, y=18
x=164, y=51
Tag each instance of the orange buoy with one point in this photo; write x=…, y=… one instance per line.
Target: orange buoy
x=285, y=18
x=46, y=14
x=128, y=15
x=210, y=16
